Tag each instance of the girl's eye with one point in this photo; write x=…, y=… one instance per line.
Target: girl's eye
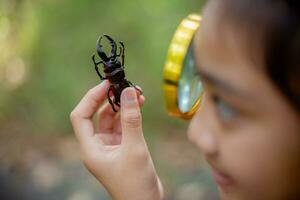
x=225, y=112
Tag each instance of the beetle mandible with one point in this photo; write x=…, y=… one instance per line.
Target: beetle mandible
x=113, y=70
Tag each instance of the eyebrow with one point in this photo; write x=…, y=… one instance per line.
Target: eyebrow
x=217, y=82
x=220, y=84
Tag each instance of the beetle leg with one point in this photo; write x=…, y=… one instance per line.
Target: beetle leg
x=97, y=69
x=140, y=91
x=110, y=101
x=123, y=52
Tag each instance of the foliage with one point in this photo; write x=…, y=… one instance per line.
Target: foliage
x=55, y=40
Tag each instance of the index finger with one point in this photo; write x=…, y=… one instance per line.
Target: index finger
x=81, y=116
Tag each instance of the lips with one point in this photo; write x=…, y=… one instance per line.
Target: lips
x=222, y=179
x=219, y=174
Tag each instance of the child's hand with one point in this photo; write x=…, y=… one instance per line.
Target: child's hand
x=117, y=155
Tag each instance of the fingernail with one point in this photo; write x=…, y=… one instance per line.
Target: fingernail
x=103, y=82
x=139, y=88
x=130, y=96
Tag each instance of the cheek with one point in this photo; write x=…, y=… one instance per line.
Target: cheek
x=263, y=161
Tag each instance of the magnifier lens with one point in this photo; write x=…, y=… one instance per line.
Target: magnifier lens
x=190, y=87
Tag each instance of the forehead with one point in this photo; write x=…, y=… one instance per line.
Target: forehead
x=225, y=49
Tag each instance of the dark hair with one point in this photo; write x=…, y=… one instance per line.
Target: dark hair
x=283, y=53
x=277, y=23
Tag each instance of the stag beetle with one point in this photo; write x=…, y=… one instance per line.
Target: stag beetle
x=113, y=70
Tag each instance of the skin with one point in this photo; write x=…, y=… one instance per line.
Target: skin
x=246, y=130
x=116, y=154
x=258, y=145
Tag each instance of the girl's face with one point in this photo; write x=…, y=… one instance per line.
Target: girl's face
x=245, y=128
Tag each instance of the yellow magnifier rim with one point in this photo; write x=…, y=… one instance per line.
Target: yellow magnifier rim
x=174, y=65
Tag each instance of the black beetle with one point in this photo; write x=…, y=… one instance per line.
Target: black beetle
x=113, y=70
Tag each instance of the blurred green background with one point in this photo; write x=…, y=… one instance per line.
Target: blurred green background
x=45, y=69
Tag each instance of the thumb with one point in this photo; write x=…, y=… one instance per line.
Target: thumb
x=131, y=118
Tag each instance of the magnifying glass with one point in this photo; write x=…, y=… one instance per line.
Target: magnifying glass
x=182, y=86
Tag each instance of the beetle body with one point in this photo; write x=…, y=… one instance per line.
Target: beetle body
x=113, y=69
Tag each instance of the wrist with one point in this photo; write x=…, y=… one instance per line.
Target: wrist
x=154, y=193
x=142, y=196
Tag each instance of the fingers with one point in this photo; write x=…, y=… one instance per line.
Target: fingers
x=117, y=128
x=107, y=117
x=110, y=139
x=81, y=116
x=131, y=119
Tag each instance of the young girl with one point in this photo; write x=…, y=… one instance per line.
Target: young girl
x=248, y=125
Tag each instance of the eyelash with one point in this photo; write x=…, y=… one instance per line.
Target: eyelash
x=226, y=113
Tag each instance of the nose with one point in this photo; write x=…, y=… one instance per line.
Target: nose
x=201, y=131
